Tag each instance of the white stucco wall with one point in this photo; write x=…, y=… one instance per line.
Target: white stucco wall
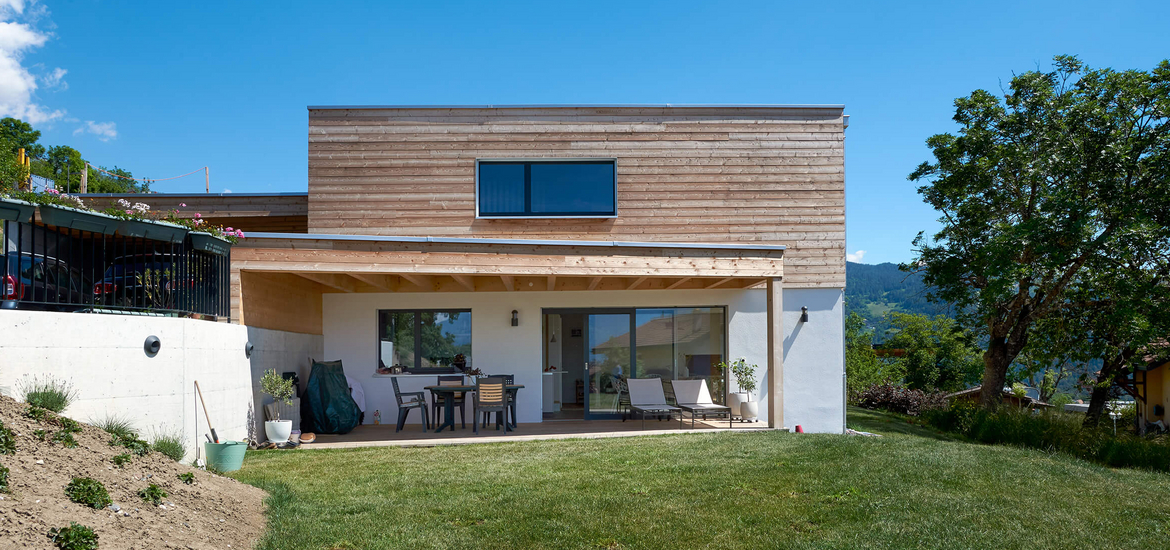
x=814, y=356
x=103, y=356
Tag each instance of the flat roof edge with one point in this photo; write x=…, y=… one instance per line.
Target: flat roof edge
x=593, y=106
x=543, y=242
x=120, y=195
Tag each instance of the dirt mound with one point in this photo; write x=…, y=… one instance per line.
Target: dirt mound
x=213, y=512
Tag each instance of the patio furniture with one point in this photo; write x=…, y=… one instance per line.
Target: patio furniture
x=410, y=400
x=692, y=396
x=491, y=395
x=509, y=379
x=459, y=399
x=647, y=397
x=449, y=406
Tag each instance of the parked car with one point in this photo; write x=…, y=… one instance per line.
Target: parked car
x=43, y=283
x=151, y=281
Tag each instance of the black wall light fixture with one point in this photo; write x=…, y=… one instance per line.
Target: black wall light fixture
x=804, y=314
x=152, y=345
x=515, y=318
x=248, y=347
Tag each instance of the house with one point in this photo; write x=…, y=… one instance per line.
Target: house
x=593, y=241
x=1152, y=392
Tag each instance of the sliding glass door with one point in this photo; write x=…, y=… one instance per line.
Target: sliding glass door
x=609, y=341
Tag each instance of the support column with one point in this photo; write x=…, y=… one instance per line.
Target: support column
x=775, y=353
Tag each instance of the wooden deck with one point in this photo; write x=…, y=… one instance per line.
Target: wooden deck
x=412, y=435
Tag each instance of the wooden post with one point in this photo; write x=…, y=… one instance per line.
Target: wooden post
x=775, y=353
x=85, y=179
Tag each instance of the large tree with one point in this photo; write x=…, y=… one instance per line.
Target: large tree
x=938, y=355
x=19, y=134
x=1035, y=185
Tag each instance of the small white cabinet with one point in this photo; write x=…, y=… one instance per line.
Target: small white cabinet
x=551, y=390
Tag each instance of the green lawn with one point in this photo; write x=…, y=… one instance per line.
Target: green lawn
x=910, y=489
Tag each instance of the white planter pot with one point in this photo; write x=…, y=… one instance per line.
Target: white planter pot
x=735, y=399
x=278, y=431
x=749, y=410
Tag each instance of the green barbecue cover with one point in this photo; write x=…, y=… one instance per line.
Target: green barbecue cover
x=331, y=408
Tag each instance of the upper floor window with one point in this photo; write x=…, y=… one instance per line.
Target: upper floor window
x=552, y=188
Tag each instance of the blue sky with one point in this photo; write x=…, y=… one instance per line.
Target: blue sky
x=163, y=88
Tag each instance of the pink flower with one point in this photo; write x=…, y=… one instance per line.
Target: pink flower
x=52, y=191
x=198, y=215
x=240, y=233
x=229, y=230
x=129, y=211
x=183, y=204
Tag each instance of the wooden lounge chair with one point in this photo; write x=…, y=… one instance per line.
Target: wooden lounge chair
x=693, y=397
x=647, y=397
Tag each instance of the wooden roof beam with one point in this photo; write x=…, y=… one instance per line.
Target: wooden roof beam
x=636, y=282
x=380, y=281
x=679, y=283
x=720, y=282
x=594, y=282
x=336, y=281
x=465, y=281
x=509, y=282
x=551, y=283
x=421, y=281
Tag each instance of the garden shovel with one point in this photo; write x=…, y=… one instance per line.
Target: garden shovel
x=214, y=437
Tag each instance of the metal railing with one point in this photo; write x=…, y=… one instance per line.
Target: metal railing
x=59, y=269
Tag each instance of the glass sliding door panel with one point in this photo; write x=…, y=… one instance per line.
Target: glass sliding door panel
x=608, y=355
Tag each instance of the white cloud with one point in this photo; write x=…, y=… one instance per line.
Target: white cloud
x=855, y=257
x=18, y=86
x=226, y=190
x=105, y=131
x=56, y=79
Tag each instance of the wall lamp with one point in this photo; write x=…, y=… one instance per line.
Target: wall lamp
x=515, y=318
x=804, y=314
x=151, y=345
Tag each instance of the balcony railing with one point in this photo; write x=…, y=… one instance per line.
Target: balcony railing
x=60, y=269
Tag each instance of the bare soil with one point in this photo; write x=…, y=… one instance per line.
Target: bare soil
x=214, y=512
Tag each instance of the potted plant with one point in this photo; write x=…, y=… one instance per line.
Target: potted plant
x=281, y=389
x=62, y=210
x=210, y=238
x=745, y=378
x=16, y=210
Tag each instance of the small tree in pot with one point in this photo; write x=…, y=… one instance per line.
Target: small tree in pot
x=281, y=389
x=745, y=378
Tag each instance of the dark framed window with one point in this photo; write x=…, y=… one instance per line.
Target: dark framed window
x=546, y=188
x=423, y=338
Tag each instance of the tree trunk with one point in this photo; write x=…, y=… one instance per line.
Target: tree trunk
x=1097, y=403
x=995, y=364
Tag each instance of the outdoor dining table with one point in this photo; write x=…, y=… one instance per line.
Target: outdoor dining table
x=449, y=404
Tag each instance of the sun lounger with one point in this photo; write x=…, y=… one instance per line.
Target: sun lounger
x=693, y=397
x=647, y=397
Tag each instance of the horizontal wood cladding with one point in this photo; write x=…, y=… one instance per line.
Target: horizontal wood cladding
x=768, y=175
x=277, y=301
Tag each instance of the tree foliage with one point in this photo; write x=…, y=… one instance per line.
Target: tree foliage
x=863, y=368
x=18, y=134
x=1037, y=186
x=938, y=354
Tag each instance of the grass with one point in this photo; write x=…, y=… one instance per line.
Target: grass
x=169, y=443
x=914, y=487
x=116, y=425
x=48, y=393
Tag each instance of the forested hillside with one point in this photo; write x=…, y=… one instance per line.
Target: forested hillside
x=874, y=290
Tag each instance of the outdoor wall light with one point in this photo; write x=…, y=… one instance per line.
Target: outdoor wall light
x=515, y=318
x=804, y=314
x=152, y=345
x=248, y=347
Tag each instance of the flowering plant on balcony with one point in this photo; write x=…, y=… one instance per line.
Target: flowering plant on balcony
x=48, y=197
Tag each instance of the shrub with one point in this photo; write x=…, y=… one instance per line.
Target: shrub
x=68, y=425
x=36, y=413
x=116, y=426
x=3, y=479
x=7, y=441
x=894, y=398
x=74, y=537
x=132, y=443
x=169, y=444
x=65, y=438
x=48, y=393
x=42, y=435
x=88, y=491
x=152, y=494
x=121, y=460
x=187, y=477
x=1051, y=431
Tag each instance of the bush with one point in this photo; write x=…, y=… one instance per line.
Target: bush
x=3, y=479
x=121, y=460
x=88, y=491
x=48, y=393
x=68, y=425
x=7, y=441
x=65, y=438
x=36, y=413
x=74, y=537
x=187, y=477
x=894, y=398
x=116, y=426
x=1051, y=431
x=132, y=443
x=152, y=494
x=169, y=444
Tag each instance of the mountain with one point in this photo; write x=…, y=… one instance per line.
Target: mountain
x=874, y=290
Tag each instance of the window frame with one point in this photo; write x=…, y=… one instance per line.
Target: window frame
x=417, y=326
x=528, y=189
